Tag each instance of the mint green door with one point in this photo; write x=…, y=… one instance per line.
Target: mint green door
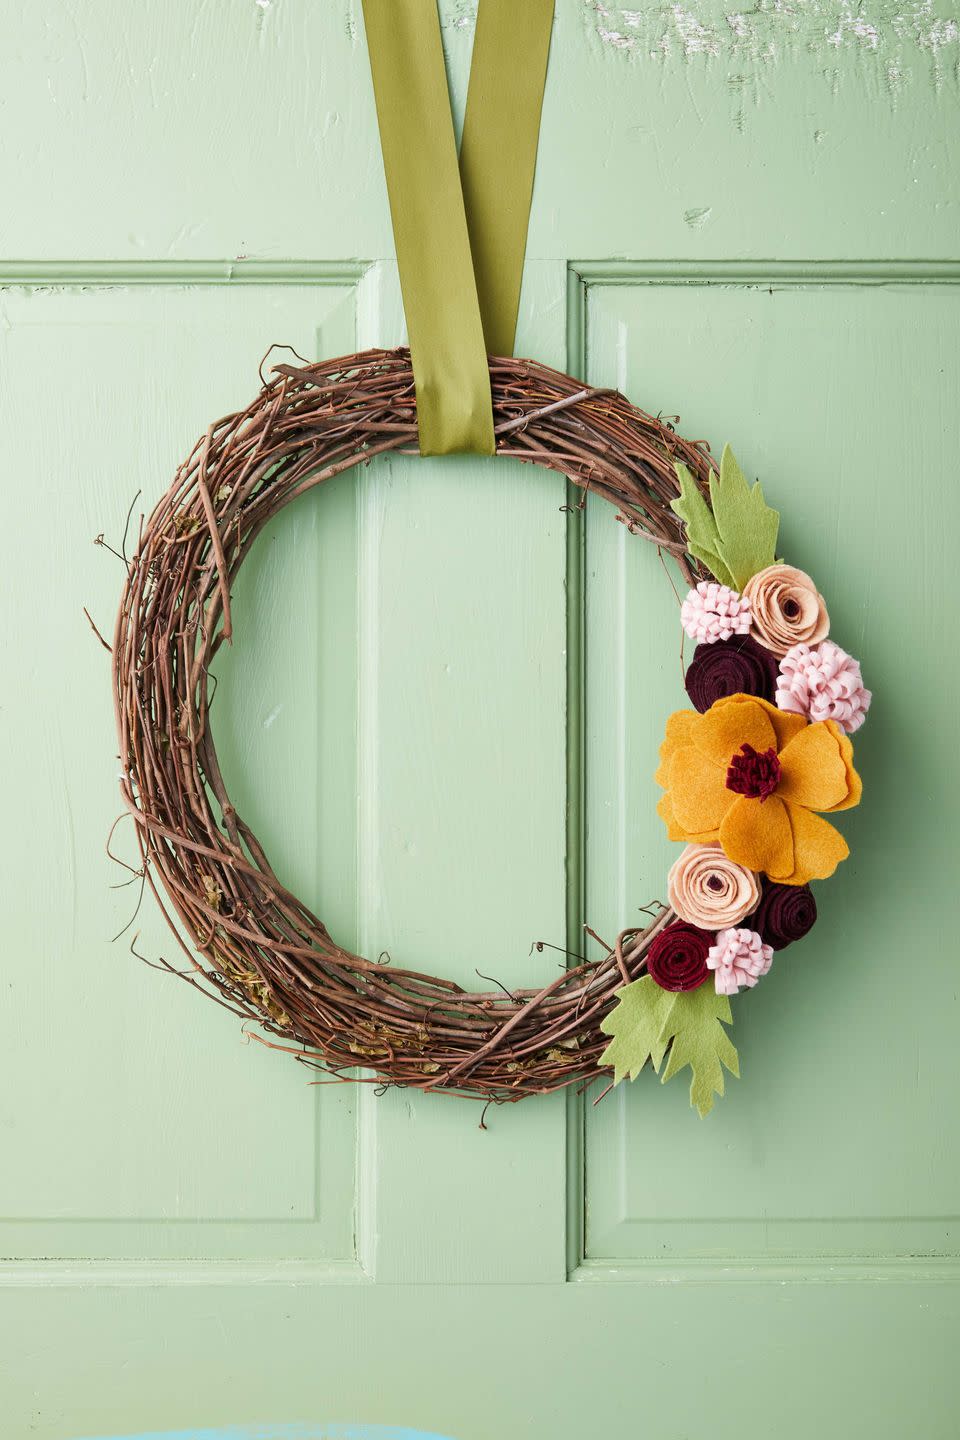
x=441, y=717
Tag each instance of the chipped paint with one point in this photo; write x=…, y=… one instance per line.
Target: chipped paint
x=458, y=14
x=771, y=30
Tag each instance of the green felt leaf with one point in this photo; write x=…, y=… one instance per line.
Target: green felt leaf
x=745, y=524
x=639, y=1026
x=699, y=1040
x=703, y=537
x=736, y=534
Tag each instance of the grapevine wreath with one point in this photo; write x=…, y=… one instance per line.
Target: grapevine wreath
x=748, y=773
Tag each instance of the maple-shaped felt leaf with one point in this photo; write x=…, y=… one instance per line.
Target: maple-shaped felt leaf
x=736, y=534
x=703, y=537
x=698, y=1039
x=636, y=1024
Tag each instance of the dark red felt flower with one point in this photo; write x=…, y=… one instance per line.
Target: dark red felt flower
x=677, y=957
x=785, y=914
x=754, y=773
x=738, y=666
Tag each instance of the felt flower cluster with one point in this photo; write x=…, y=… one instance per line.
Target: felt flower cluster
x=747, y=787
x=730, y=921
x=757, y=781
x=751, y=779
x=750, y=773
x=770, y=641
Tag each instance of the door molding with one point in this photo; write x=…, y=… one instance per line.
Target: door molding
x=239, y=271
x=747, y=274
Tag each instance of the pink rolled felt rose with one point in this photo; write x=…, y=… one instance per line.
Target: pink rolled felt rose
x=787, y=608
x=823, y=682
x=708, y=890
x=714, y=612
x=738, y=957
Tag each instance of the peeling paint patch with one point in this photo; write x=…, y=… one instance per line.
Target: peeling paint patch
x=461, y=15
x=697, y=218
x=889, y=31
x=694, y=37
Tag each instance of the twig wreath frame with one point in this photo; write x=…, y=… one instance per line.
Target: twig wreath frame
x=259, y=950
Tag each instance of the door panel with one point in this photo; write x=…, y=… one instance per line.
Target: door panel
x=842, y=398
x=155, y=1133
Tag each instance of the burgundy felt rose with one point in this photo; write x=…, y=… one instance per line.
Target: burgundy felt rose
x=677, y=957
x=785, y=914
x=738, y=666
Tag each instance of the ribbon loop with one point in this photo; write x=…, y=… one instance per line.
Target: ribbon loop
x=498, y=153
x=460, y=242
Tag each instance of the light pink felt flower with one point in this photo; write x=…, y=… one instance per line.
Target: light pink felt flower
x=714, y=612
x=823, y=682
x=739, y=957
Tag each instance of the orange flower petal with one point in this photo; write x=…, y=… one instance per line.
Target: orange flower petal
x=818, y=847
x=698, y=790
x=758, y=834
x=814, y=772
x=674, y=832
x=785, y=723
x=679, y=727
x=729, y=723
x=854, y=783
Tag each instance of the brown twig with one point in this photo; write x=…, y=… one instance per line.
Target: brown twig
x=256, y=948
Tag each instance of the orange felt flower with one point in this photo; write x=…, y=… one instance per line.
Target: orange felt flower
x=752, y=778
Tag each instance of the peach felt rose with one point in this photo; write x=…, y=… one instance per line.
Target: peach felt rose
x=708, y=889
x=752, y=778
x=786, y=607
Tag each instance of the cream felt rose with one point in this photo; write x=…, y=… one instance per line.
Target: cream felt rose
x=787, y=608
x=707, y=889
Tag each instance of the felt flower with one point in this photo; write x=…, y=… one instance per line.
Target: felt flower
x=785, y=914
x=787, y=609
x=823, y=682
x=730, y=667
x=714, y=612
x=753, y=777
x=677, y=957
x=738, y=957
x=708, y=889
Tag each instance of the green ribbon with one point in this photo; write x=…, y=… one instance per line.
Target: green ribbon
x=498, y=153
x=460, y=242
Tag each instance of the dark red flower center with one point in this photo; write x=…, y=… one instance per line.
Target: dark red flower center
x=754, y=773
x=791, y=608
x=714, y=883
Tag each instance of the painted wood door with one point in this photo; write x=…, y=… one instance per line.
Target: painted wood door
x=441, y=715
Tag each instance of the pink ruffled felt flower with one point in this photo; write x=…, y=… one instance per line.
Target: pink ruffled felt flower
x=714, y=612
x=823, y=682
x=738, y=957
